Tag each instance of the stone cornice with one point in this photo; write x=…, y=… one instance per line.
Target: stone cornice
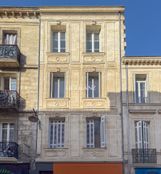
x=142, y=60
x=82, y=9
x=19, y=12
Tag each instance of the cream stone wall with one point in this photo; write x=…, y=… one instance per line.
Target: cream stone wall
x=75, y=62
x=149, y=111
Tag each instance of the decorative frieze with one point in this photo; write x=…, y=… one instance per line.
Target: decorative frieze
x=57, y=103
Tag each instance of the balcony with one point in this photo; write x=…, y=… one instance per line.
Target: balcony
x=9, y=99
x=9, y=56
x=8, y=149
x=144, y=156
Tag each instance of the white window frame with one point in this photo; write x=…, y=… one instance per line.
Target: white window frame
x=87, y=85
x=142, y=134
x=8, y=131
x=93, y=41
x=10, y=83
x=57, y=125
x=58, y=87
x=102, y=137
x=138, y=99
x=59, y=40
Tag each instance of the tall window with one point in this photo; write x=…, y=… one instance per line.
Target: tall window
x=140, y=88
x=59, y=42
x=141, y=134
x=7, y=132
x=9, y=38
x=56, y=132
x=92, y=41
x=95, y=137
x=57, y=85
x=93, y=84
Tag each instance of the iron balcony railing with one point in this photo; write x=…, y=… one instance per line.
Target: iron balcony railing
x=9, y=99
x=144, y=155
x=8, y=149
x=9, y=51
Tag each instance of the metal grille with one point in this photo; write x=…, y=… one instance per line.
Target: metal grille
x=144, y=156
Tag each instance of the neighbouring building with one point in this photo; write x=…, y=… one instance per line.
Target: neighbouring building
x=142, y=114
x=19, y=52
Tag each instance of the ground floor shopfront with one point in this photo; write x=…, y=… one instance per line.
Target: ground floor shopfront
x=79, y=168
x=147, y=170
x=14, y=168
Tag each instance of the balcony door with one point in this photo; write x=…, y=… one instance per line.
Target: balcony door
x=8, y=83
x=7, y=132
x=141, y=134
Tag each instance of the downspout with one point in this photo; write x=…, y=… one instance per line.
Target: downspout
x=121, y=106
x=127, y=115
x=38, y=98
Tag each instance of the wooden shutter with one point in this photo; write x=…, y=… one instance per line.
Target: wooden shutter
x=102, y=131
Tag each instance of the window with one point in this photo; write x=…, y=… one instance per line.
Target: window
x=93, y=84
x=8, y=83
x=7, y=132
x=9, y=37
x=59, y=42
x=57, y=85
x=141, y=134
x=56, y=132
x=95, y=128
x=92, y=42
x=140, y=88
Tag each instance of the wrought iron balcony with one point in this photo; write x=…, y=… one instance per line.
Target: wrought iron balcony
x=144, y=156
x=9, y=99
x=8, y=149
x=9, y=55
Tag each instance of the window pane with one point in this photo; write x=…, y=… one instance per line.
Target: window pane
x=89, y=42
x=55, y=41
x=96, y=87
x=62, y=36
x=97, y=132
x=142, y=92
x=55, y=87
x=90, y=86
x=13, y=84
x=62, y=87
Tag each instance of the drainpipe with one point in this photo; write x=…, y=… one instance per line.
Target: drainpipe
x=121, y=103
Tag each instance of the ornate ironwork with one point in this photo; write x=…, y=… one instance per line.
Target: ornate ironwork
x=9, y=51
x=9, y=99
x=9, y=149
x=144, y=156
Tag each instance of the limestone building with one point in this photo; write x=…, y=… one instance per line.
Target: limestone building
x=79, y=104
x=70, y=101
x=19, y=53
x=141, y=113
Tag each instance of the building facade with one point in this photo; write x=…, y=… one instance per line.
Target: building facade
x=19, y=52
x=141, y=112
x=78, y=109
x=70, y=101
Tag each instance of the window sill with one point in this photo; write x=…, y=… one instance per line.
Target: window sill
x=57, y=98
x=93, y=148
x=97, y=98
x=58, y=53
x=56, y=149
x=93, y=53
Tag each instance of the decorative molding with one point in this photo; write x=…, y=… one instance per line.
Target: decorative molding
x=57, y=103
x=11, y=12
x=94, y=103
x=58, y=57
x=142, y=111
x=140, y=60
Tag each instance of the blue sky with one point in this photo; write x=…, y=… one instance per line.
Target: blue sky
x=143, y=20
